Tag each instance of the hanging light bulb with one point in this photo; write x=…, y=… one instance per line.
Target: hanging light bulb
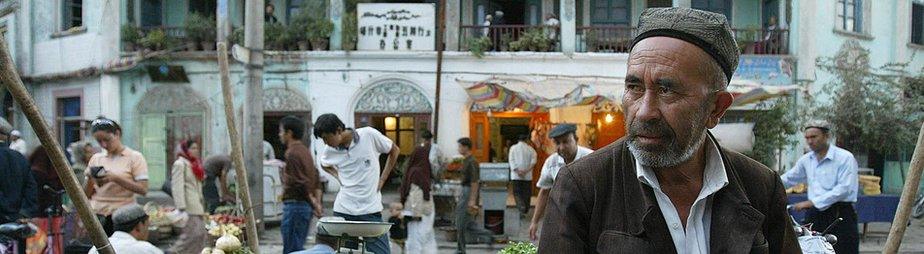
x=608, y=118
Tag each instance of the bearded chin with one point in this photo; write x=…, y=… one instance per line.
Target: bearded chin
x=672, y=153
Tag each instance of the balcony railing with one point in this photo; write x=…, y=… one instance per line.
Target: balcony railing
x=604, y=38
x=511, y=37
x=762, y=41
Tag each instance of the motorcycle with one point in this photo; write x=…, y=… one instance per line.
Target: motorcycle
x=814, y=242
x=918, y=209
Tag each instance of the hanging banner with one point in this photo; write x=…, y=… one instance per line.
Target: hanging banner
x=396, y=27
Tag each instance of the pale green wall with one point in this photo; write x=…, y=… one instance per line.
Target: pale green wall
x=175, y=12
x=746, y=14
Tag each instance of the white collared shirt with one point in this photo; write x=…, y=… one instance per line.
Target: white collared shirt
x=125, y=243
x=359, y=171
x=522, y=157
x=831, y=180
x=694, y=239
x=553, y=164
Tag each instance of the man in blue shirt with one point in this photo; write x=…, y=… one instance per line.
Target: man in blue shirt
x=831, y=175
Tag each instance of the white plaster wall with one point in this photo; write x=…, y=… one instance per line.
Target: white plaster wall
x=98, y=45
x=44, y=96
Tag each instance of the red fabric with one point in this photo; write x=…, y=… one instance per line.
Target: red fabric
x=197, y=168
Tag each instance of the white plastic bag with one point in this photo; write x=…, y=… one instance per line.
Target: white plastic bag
x=178, y=218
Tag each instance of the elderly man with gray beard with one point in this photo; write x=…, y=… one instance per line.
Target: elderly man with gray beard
x=668, y=187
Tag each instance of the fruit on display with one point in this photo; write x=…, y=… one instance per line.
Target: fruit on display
x=228, y=243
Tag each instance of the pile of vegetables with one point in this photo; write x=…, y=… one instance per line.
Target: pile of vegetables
x=455, y=164
x=227, y=219
x=159, y=216
x=520, y=248
x=228, y=225
x=227, y=244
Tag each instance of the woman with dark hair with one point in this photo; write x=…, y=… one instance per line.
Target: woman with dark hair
x=418, y=203
x=114, y=175
x=186, y=181
x=45, y=175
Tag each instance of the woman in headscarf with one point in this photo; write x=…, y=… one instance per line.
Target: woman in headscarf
x=418, y=203
x=186, y=181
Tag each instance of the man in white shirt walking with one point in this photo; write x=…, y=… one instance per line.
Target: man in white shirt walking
x=522, y=158
x=352, y=157
x=567, y=151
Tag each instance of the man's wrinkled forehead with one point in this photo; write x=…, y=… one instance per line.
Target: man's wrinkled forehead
x=666, y=49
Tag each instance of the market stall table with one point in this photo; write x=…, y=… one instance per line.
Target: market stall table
x=877, y=208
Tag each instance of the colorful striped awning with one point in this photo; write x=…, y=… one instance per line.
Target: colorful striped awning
x=505, y=94
x=749, y=92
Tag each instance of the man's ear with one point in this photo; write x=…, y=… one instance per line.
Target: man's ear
x=722, y=101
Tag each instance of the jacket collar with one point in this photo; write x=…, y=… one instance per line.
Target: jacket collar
x=734, y=220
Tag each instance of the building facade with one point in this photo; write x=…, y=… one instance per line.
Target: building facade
x=78, y=66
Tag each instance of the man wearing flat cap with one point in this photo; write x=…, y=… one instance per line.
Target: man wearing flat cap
x=668, y=187
x=566, y=151
x=831, y=175
x=131, y=231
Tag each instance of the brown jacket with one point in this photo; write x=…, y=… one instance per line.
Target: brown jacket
x=299, y=177
x=598, y=205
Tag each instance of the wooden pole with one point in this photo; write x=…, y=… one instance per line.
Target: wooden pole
x=237, y=154
x=900, y=223
x=11, y=80
x=440, y=30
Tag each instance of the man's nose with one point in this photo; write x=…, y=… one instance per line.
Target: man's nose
x=648, y=107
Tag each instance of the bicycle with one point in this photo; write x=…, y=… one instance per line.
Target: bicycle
x=52, y=213
x=13, y=237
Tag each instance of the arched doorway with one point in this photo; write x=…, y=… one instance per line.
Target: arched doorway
x=169, y=114
x=279, y=103
x=398, y=109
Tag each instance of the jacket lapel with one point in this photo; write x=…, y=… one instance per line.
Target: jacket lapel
x=654, y=228
x=735, y=222
x=653, y=225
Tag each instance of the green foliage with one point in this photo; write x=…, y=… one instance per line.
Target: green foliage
x=350, y=31
x=298, y=25
x=156, y=39
x=351, y=5
x=533, y=39
x=590, y=39
x=275, y=36
x=199, y=27
x=131, y=33
x=237, y=36
x=320, y=28
x=479, y=45
x=520, y=248
x=774, y=124
x=867, y=108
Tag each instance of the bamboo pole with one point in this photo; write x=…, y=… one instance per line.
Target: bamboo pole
x=11, y=80
x=900, y=223
x=440, y=45
x=237, y=155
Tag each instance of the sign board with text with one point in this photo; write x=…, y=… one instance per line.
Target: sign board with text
x=396, y=27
